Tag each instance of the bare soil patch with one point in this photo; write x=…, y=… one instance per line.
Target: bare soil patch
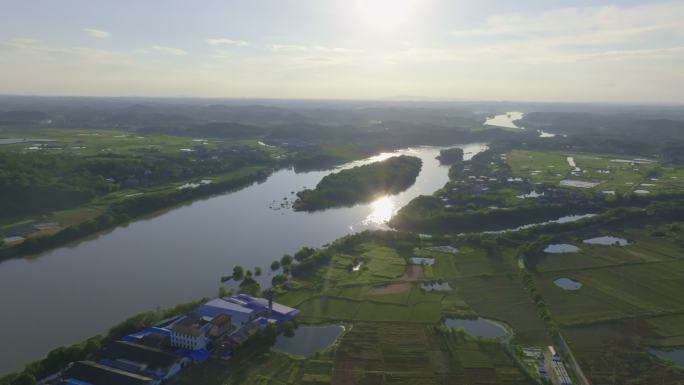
x=412, y=273
x=390, y=288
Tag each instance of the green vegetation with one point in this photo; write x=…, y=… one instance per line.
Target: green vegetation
x=76, y=182
x=361, y=184
x=450, y=155
x=629, y=301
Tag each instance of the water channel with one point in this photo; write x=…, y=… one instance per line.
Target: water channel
x=71, y=293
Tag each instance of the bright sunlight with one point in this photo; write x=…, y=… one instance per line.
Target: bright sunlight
x=385, y=13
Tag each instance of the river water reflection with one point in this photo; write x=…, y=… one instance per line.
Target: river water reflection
x=72, y=293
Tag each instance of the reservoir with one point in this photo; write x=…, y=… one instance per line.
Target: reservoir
x=478, y=327
x=71, y=293
x=505, y=120
x=308, y=340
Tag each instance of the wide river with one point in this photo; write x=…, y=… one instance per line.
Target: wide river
x=71, y=293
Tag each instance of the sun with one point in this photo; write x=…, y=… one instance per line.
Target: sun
x=385, y=13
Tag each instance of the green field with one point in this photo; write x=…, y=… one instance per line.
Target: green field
x=630, y=300
x=609, y=171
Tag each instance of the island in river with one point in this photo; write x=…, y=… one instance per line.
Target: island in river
x=361, y=184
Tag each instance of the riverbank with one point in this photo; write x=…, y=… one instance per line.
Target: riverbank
x=124, y=211
x=209, y=237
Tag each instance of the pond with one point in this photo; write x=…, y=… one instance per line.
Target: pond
x=607, y=241
x=531, y=194
x=478, y=327
x=435, y=286
x=421, y=261
x=444, y=249
x=561, y=248
x=138, y=266
x=567, y=284
x=676, y=355
x=578, y=183
x=308, y=340
x=18, y=140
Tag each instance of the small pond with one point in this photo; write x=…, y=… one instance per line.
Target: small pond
x=561, y=248
x=607, y=241
x=444, y=249
x=18, y=140
x=567, y=284
x=421, y=261
x=676, y=356
x=478, y=327
x=308, y=340
x=435, y=286
x=532, y=194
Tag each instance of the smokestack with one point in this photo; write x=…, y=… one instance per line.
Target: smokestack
x=270, y=304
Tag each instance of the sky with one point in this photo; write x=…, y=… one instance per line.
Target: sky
x=524, y=50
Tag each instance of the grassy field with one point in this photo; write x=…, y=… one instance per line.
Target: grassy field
x=88, y=142
x=640, y=279
x=258, y=368
x=393, y=338
x=610, y=171
x=630, y=301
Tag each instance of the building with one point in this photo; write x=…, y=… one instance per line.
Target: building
x=239, y=314
x=268, y=308
x=91, y=373
x=220, y=326
x=143, y=360
x=243, y=309
x=190, y=333
x=194, y=331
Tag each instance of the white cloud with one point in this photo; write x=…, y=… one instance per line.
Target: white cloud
x=581, y=26
x=225, y=41
x=42, y=52
x=97, y=33
x=312, y=48
x=170, y=50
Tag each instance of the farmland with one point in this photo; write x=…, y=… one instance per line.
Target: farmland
x=612, y=172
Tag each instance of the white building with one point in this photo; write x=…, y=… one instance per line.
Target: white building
x=190, y=333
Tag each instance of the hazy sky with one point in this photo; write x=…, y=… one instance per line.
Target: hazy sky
x=572, y=50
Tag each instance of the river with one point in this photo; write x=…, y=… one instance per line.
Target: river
x=71, y=293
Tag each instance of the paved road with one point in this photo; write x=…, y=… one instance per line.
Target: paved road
x=571, y=362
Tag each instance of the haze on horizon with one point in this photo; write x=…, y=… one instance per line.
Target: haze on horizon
x=576, y=50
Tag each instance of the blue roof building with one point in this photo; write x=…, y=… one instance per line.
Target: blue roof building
x=243, y=308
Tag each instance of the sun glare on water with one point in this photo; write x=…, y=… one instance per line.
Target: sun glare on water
x=385, y=13
x=383, y=209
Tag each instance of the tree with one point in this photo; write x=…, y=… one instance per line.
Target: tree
x=250, y=286
x=238, y=272
x=275, y=265
x=288, y=328
x=257, y=271
x=303, y=253
x=279, y=280
x=24, y=379
x=286, y=260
